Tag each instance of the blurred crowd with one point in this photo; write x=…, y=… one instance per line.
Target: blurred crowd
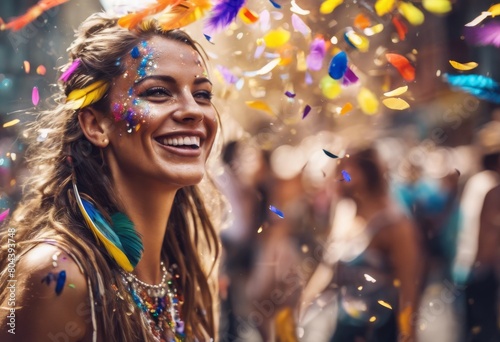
x=387, y=241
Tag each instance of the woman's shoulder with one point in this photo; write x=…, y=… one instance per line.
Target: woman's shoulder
x=48, y=296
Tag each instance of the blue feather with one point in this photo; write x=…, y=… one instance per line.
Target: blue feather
x=224, y=14
x=121, y=233
x=480, y=86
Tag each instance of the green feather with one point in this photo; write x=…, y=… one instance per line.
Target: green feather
x=131, y=241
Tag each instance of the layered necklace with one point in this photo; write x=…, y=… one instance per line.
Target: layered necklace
x=159, y=304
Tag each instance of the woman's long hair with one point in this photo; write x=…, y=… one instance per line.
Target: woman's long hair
x=48, y=210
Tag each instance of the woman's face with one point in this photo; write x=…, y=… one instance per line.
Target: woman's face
x=164, y=122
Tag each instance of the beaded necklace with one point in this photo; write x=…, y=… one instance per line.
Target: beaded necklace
x=159, y=305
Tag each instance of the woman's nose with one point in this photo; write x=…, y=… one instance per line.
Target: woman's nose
x=189, y=111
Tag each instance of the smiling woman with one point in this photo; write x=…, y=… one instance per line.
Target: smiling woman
x=112, y=228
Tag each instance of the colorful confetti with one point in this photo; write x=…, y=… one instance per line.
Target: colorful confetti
x=346, y=176
x=307, y=110
x=330, y=154
x=11, y=123
x=338, y=66
x=397, y=91
x=41, y=70
x=290, y=94
x=402, y=64
x=396, y=103
x=35, y=96
x=277, y=211
x=26, y=67
x=260, y=105
x=463, y=66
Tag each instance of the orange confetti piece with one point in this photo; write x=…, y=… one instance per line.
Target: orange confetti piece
x=402, y=64
x=346, y=109
x=396, y=103
x=40, y=70
x=463, y=66
x=362, y=21
x=27, y=67
x=260, y=105
x=248, y=16
x=400, y=28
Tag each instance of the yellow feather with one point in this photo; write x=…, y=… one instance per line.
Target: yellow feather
x=88, y=95
x=184, y=14
x=115, y=252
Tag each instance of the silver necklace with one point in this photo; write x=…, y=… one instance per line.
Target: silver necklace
x=156, y=290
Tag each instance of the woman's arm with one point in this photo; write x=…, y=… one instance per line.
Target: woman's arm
x=50, y=294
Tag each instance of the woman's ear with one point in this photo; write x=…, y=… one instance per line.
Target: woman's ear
x=94, y=126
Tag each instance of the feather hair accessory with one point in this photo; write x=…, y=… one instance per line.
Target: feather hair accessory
x=119, y=238
x=66, y=75
x=170, y=14
x=480, y=86
x=88, y=95
x=224, y=14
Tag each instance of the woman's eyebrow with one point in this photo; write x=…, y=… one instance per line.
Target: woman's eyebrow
x=163, y=78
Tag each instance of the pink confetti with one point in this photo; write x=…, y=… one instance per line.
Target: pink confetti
x=67, y=74
x=4, y=215
x=35, y=96
x=316, y=55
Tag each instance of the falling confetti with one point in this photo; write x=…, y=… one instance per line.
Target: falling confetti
x=307, y=110
x=338, y=66
x=383, y=7
x=299, y=25
x=402, y=64
x=367, y=101
x=356, y=40
x=265, y=69
x=411, y=13
x=275, y=4
x=4, y=214
x=259, y=230
x=11, y=123
x=66, y=75
x=31, y=14
x=297, y=9
x=41, y=70
x=396, y=103
x=329, y=87
x=35, y=96
x=437, y=6
x=478, y=19
x=401, y=28
x=463, y=66
x=397, y=91
x=329, y=6
x=248, y=16
x=330, y=154
x=372, y=319
x=346, y=108
x=290, y=94
x=260, y=105
x=277, y=38
x=346, y=176
x=362, y=21
x=369, y=278
x=26, y=67
x=385, y=304
x=276, y=211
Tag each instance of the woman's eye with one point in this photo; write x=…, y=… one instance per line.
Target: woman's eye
x=205, y=95
x=155, y=92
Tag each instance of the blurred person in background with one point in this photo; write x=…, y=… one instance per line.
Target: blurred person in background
x=374, y=252
x=481, y=283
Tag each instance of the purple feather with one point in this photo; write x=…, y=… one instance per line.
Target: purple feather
x=67, y=74
x=223, y=14
x=488, y=34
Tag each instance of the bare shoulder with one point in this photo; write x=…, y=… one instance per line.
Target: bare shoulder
x=49, y=288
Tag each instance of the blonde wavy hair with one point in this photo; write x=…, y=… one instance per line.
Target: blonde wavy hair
x=48, y=211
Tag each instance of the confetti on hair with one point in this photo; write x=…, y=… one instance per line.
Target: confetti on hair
x=290, y=94
x=463, y=66
x=328, y=6
x=31, y=14
x=395, y=103
x=4, y=214
x=59, y=279
x=338, y=66
x=307, y=110
x=223, y=14
x=275, y=4
x=41, y=70
x=277, y=211
x=66, y=75
x=488, y=34
x=402, y=64
x=299, y=25
x=26, y=67
x=346, y=176
x=401, y=28
x=11, y=123
x=35, y=96
x=480, y=86
x=330, y=154
x=92, y=93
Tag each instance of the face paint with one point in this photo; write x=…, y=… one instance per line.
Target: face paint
x=59, y=279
